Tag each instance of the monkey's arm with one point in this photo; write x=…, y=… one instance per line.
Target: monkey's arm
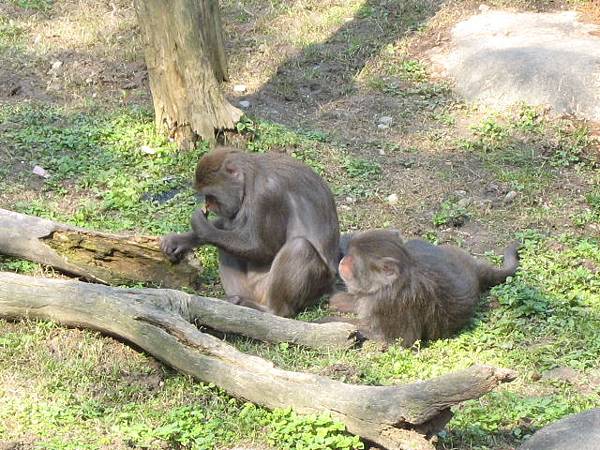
x=241, y=242
x=176, y=245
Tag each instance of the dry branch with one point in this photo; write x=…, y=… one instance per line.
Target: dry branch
x=391, y=416
x=99, y=257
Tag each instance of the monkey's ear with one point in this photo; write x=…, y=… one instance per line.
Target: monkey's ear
x=234, y=171
x=390, y=267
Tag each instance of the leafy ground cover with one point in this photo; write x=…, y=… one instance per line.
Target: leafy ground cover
x=320, y=76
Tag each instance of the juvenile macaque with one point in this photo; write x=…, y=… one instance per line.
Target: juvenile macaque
x=413, y=290
x=276, y=229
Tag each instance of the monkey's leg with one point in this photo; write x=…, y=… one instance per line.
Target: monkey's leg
x=297, y=279
x=234, y=278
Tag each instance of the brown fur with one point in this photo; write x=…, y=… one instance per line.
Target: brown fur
x=413, y=290
x=276, y=229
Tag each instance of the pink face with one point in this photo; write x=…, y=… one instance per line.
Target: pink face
x=345, y=267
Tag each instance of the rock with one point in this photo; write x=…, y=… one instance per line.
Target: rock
x=381, y=152
x=501, y=58
x=577, y=432
x=40, y=171
x=381, y=126
x=239, y=88
x=460, y=193
x=510, y=197
x=562, y=374
x=385, y=120
x=147, y=150
x=392, y=199
x=55, y=68
x=245, y=104
x=350, y=200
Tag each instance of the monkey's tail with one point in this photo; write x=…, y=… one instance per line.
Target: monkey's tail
x=491, y=276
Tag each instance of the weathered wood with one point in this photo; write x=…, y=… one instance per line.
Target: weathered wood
x=387, y=415
x=99, y=257
x=186, y=60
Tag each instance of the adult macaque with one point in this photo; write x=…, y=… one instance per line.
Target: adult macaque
x=413, y=290
x=276, y=229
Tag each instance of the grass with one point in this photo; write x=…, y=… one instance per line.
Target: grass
x=325, y=73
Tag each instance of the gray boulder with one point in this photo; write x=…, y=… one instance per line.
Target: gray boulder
x=577, y=432
x=501, y=58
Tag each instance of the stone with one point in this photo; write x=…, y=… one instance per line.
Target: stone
x=392, y=199
x=577, y=432
x=245, y=104
x=501, y=58
x=41, y=172
x=147, y=150
x=562, y=374
x=386, y=120
x=56, y=65
x=239, y=88
x=510, y=197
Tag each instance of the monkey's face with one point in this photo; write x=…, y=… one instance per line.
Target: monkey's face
x=375, y=260
x=224, y=201
x=365, y=275
x=222, y=185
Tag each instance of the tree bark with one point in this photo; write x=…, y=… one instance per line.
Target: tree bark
x=99, y=257
x=186, y=61
x=395, y=417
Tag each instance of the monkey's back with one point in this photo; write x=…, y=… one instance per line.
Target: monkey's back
x=306, y=194
x=457, y=280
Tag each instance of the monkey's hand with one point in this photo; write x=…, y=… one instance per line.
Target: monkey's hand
x=176, y=245
x=201, y=227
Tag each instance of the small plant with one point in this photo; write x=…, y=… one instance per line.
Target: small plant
x=522, y=300
x=529, y=119
x=450, y=213
x=572, y=141
x=489, y=134
x=17, y=265
x=413, y=70
x=268, y=136
x=10, y=33
x=37, y=5
x=290, y=431
x=246, y=126
x=362, y=168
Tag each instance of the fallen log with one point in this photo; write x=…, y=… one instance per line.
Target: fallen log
x=395, y=417
x=116, y=259
x=94, y=256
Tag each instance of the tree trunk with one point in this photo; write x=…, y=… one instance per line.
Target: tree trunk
x=395, y=417
x=186, y=61
x=99, y=257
